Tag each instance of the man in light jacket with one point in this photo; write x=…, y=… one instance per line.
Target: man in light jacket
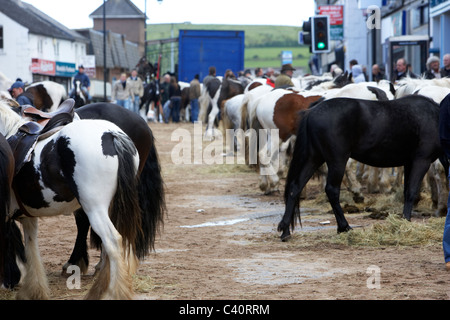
x=136, y=89
x=121, y=92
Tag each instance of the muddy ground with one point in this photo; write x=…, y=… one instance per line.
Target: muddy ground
x=220, y=242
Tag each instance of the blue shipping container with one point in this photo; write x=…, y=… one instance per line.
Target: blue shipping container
x=200, y=49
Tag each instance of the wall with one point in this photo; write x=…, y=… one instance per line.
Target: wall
x=15, y=59
x=133, y=29
x=355, y=34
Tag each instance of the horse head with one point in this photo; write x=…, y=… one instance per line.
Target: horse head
x=10, y=121
x=144, y=68
x=79, y=98
x=342, y=80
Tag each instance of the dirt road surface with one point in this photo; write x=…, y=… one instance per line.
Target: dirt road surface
x=220, y=242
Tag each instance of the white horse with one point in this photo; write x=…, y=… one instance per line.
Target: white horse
x=232, y=112
x=90, y=164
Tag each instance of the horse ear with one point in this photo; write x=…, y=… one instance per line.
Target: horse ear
x=392, y=88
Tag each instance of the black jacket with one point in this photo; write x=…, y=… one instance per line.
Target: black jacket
x=444, y=125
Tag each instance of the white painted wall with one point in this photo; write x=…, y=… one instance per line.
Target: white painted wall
x=15, y=58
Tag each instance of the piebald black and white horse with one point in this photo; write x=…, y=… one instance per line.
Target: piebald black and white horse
x=79, y=96
x=90, y=164
x=150, y=185
x=402, y=132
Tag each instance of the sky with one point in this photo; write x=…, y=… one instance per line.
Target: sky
x=75, y=14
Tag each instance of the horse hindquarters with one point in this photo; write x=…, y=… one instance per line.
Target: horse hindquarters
x=119, y=232
x=114, y=213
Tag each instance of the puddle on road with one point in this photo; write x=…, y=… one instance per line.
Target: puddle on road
x=269, y=211
x=280, y=269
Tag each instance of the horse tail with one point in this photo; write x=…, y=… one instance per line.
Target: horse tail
x=300, y=157
x=151, y=201
x=11, y=245
x=125, y=211
x=244, y=113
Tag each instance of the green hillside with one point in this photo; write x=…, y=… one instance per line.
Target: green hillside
x=263, y=44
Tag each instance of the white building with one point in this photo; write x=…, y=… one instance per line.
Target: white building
x=440, y=27
x=35, y=47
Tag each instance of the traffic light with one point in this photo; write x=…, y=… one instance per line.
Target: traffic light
x=320, y=26
x=306, y=29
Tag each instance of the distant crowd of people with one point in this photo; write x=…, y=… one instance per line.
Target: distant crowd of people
x=402, y=69
x=128, y=91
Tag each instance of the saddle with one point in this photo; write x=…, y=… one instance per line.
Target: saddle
x=42, y=126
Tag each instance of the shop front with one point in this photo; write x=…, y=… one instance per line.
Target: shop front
x=57, y=71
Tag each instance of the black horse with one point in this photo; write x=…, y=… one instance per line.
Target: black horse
x=10, y=236
x=402, y=132
x=151, y=94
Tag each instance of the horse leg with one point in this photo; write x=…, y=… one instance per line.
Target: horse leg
x=114, y=280
x=333, y=189
x=293, y=191
x=413, y=176
x=352, y=183
x=80, y=255
x=269, y=161
x=439, y=188
x=35, y=286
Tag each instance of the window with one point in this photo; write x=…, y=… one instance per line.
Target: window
x=56, y=47
x=40, y=45
x=420, y=16
x=1, y=38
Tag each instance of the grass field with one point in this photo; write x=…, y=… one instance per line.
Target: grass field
x=263, y=44
x=271, y=57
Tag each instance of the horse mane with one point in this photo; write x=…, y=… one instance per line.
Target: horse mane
x=10, y=120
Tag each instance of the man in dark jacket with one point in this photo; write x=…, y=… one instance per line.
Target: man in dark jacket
x=402, y=71
x=444, y=134
x=445, y=70
x=85, y=83
x=18, y=92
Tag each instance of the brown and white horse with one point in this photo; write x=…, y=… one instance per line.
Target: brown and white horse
x=48, y=95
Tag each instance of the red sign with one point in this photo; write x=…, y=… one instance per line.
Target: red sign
x=336, y=14
x=45, y=67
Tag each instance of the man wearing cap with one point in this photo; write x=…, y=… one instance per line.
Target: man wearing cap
x=284, y=79
x=85, y=83
x=18, y=92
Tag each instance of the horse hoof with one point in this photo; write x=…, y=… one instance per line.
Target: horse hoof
x=358, y=199
x=285, y=236
x=345, y=229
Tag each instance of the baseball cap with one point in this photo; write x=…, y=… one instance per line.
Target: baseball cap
x=17, y=84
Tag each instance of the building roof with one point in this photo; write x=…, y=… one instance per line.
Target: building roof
x=119, y=9
x=36, y=21
x=120, y=53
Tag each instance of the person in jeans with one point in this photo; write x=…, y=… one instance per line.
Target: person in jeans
x=175, y=99
x=121, y=93
x=136, y=89
x=444, y=134
x=194, y=94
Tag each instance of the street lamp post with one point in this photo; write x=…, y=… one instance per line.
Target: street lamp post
x=105, y=73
